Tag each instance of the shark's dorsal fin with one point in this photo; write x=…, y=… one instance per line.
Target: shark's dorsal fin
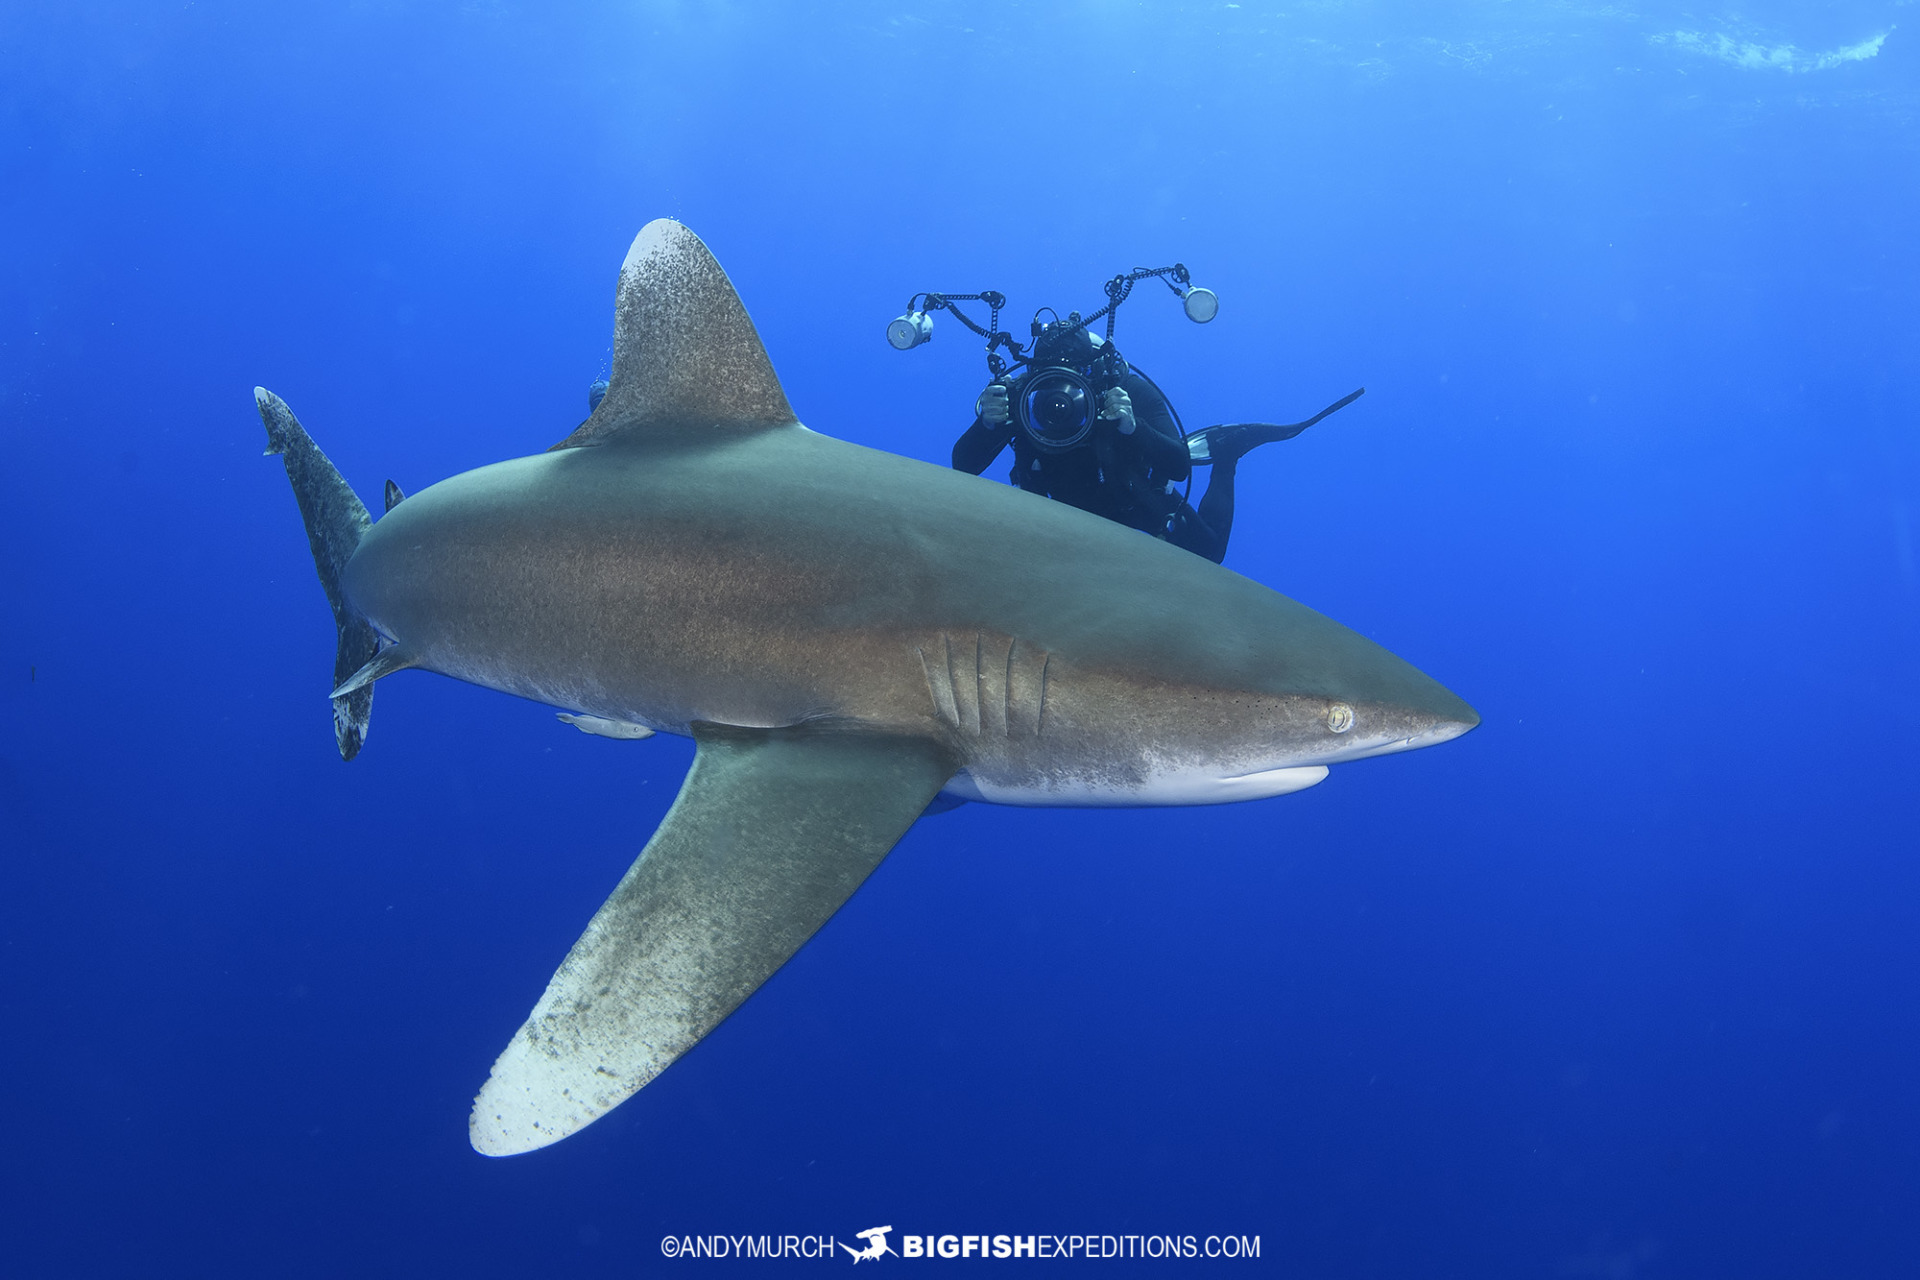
x=684, y=352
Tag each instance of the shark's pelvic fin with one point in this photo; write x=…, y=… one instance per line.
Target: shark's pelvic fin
x=685, y=353
x=384, y=663
x=336, y=521
x=772, y=831
x=394, y=495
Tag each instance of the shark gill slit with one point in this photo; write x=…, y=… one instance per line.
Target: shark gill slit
x=953, y=682
x=953, y=685
x=973, y=690
x=969, y=702
x=1007, y=689
x=940, y=685
x=966, y=693
x=946, y=674
x=1023, y=691
x=979, y=683
x=993, y=688
x=1040, y=720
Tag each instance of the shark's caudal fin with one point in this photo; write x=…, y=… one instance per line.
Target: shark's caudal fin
x=336, y=521
x=772, y=831
x=684, y=352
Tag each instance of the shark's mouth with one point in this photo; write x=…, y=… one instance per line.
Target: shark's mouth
x=1386, y=745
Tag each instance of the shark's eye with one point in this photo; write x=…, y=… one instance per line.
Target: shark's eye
x=1339, y=717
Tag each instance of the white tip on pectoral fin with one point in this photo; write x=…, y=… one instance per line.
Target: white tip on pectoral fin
x=534, y=1097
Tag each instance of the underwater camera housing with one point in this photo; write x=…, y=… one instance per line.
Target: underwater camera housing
x=1056, y=400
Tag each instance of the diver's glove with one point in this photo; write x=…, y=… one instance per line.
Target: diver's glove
x=993, y=407
x=1117, y=407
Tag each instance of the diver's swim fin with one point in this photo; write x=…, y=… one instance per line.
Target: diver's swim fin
x=1229, y=441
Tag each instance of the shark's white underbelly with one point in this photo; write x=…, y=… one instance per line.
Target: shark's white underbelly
x=1186, y=784
x=1182, y=787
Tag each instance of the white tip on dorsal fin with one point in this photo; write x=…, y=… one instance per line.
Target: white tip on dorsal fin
x=684, y=352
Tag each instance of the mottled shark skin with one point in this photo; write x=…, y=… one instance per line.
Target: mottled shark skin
x=846, y=634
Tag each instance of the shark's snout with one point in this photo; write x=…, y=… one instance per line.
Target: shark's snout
x=1441, y=730
x=1387, y=728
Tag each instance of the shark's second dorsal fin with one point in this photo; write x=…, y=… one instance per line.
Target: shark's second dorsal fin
x=684, y=352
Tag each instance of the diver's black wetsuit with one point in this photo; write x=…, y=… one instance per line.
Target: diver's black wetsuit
x=1124, y=478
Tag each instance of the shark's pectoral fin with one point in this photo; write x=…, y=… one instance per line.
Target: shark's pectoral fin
x=772, y=831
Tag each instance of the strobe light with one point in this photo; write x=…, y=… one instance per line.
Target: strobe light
x=910, y=330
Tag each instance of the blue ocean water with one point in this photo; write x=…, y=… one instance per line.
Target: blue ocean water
x=1625, y=984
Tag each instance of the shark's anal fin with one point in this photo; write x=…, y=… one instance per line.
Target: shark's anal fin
x=772, y=831
x=685, y=353
x=394, y=496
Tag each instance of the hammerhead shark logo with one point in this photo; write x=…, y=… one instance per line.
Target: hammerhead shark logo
x=876, y=1238
x=845, y=634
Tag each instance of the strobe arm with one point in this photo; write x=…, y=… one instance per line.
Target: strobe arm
x=908, y=331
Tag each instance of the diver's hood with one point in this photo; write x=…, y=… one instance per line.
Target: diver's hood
x=1058, y=344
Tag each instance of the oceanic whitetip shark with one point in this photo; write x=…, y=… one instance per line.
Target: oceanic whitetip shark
x=844, y=633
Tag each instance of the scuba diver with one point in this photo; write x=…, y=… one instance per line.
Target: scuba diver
x=1091, y=430
x=1130, y=461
